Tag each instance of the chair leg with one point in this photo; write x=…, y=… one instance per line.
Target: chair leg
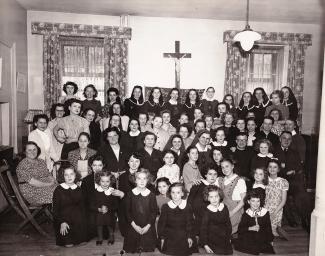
x=48, y=213
x=27, y=220
x=31, y=219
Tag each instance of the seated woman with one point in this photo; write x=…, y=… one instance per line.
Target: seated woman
x=185, y=130
x=68, y=210
x=133, y=139
x=176, y=144
x=79, y=157
x=35, y=182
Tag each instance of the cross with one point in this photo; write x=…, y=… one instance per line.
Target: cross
x=177, y=56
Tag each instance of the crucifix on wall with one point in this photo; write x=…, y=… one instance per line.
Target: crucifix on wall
x=177, y=56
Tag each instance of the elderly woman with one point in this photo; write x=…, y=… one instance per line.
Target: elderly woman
x=35, y=182
x=79, y=157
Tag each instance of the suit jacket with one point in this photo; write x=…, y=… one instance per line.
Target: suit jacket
x=271, y=137
x=289, y=160
x=74, y=156
x=110, y=159
x=48, y=155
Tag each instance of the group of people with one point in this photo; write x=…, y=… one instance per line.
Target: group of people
x=176, y=176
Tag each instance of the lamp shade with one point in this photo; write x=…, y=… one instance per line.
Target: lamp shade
x=247, y=38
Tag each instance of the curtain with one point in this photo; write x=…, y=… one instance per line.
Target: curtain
x=296, y=70
x=236, y=72
x=51, y=70
x=116, y=63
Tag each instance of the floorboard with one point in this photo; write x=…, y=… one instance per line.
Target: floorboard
x=30, y=243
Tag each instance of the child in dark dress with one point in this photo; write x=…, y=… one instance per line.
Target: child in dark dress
x=105, y=205
x=141, y=212
x=263, y=147
x=254, y=231
x=196, y=197
x=215, y=232
x=162, y=197
x=175, y=225
x=70, y=223
x=261, y=179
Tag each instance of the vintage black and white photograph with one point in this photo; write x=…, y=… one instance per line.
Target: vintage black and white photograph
x=162, y=127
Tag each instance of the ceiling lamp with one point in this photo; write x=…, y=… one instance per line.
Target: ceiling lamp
x=247, y=37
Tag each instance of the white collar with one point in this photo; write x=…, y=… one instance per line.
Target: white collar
x=181, y=206
x=293, y=132
x=137, y=191
x=212, y=208
x=173, y=102
x=107, y=192
x=217, y=144
x=269, y=155
x=255, y=185
x=66, y=186
x=133, y=134
x=259, y=213
x=207, y=183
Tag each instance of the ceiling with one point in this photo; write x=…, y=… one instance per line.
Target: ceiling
x=288, y=11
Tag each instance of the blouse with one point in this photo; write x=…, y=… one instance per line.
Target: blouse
x=170, y=172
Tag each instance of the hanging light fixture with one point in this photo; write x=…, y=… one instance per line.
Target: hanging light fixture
x=247, y=37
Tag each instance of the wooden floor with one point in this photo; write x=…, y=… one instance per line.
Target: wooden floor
x=30, y=243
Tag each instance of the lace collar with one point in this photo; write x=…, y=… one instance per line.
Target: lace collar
x=181, y=206
x=66, y=186
x=107, y=192
x=258, y=213
x=249, y=107
x=255, y=185
x=269, y=155
x=207, y=183
x=134, y=134
x=137, y=191
x=217, y=144
x=212, y=208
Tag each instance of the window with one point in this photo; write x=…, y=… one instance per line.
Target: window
x=265, y=68
x=83, y=63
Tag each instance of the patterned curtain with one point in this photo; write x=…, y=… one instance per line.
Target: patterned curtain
x=51, y=70
x=236, y=72
x=296, y=70
x=116, y=63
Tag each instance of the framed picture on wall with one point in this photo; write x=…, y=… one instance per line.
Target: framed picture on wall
x=21, y=82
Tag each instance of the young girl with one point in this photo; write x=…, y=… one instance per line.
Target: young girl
x=162, y=198
x=170, y=170
x=175, y=224
x=254, y=231
x=241, y=125
x=105, y=205
x=198, y=114
x=70, y=222
x=234, y=189
x=215, y=230
x=208, y=119
x=276, y=195
x=133, y=139
x=191, y=172
x=141, y=212
x=263, y=147
x=220, y=138
x=217, y=155
x=196, y=198
x=209, y=102
x=260, y=181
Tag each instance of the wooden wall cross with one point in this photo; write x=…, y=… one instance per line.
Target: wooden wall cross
x=177, y=55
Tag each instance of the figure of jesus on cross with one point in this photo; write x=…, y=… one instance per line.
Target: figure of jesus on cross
x=177, y=56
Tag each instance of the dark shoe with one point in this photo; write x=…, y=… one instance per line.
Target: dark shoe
x=99, y=242
x=111, y=240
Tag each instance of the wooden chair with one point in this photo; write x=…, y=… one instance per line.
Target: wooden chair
x=9, y=195
x=30, y=211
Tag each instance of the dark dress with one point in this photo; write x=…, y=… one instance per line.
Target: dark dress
x=196, y=200
x=68, y=206
x=132, y=108
x=258, y=162
x=142, y=209
x=175, y=110
x=175, y=226
x=132, y=143
x=151, y=107
x=231, y=133
x=253, y=242
x=204, y=161
x=216, y=230
x=151, y=162
x=189, y=110
x=92, y=104
x=242, y=159
x=95, y=135
x=242, y=111
x=259, y=111
x=111, y=202
x=209, y=107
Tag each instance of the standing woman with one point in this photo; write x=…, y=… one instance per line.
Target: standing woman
x=70, y=89
x=246, y=104
x=113, y=95
x=261, y=102
x=209, y=102
x=133, y=104
x=229, y=99
x=94, y=128
x=155, y=103
x=277, y=98
x=234, y=189
x=192, y=101
x=174, y=106
x=91, y=93
x=78, y=158
x=290, y=101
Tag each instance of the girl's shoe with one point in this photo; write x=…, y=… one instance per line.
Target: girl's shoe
x=111, y=239
x=99, y=242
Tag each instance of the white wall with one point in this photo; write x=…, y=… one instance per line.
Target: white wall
x=203, y=38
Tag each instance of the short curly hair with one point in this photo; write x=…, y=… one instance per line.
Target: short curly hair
x=105, y=173
x=212, y=188
x=93, y=87
x=65, y=166
x=180, y=185
x=75, y=87
x=266, y=141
